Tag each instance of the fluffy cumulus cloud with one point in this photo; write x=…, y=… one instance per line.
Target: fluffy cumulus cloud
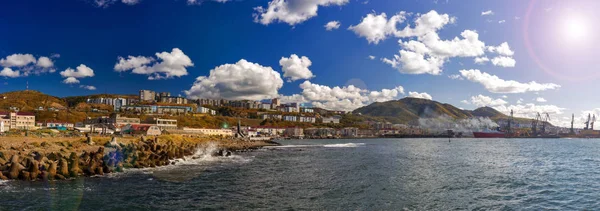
x=540, y=100
x=504, y=61
x=423, y=95
x=88, y=87
x=424, y=52
x=376, y=28
x=72, y=75
x=482, y=100
x=17, y=65
x=497, y=85
x=9, y=73
x=503, y=49
x=295, y=67
x=166, y=65
x=346, y=98
x=242, y=80
x=291, y=12
x=71, y=80
x=481, y=60
x=529, y=110
x=331, y=25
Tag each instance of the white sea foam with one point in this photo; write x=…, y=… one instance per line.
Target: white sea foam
x=293, y=146
x=345, y=145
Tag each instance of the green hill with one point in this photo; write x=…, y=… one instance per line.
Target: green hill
x=410, y=110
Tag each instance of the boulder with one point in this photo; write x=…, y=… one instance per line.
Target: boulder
x=2, y=177
x=34, y=170
x=15, y=168
x=52, y=170
x=63, y=168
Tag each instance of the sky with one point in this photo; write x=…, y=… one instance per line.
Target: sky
x=524, y=55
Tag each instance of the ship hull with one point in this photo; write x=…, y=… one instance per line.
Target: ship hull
x=488, y=135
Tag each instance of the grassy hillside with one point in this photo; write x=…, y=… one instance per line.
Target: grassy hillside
x=30, y=100
x=409, y=110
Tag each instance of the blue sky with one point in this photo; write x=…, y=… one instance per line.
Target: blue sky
x=211, y=35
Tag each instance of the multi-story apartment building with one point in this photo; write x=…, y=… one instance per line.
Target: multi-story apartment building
x=18, y=120
x=163, y=124
x=204, y=110
x=309, y=119
x=147, y=96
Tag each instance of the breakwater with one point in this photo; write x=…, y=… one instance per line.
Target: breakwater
x=33, y=162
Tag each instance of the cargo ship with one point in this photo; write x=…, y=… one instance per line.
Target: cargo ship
x=489, y=134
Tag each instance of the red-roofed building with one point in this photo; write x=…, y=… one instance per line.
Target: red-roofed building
x=144, y=129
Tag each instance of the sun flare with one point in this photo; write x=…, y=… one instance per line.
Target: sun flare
x=575, y=28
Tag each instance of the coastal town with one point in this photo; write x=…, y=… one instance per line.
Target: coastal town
x=153, y=113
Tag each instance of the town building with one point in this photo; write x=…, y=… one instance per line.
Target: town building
x=204, y=110
x=331, y=120
x=307, y=110
x=309, y=119
x=271, y=116
x=141, y=129
x=319, y=132
x=55, y=125
x=349, y=132
x=290, y=118
x=163, y=124
x=147, y=96
x=18, y=120
x=157, y=109
x=208, y=131
x=275, y=103
x=294, y=132
x=269, y=131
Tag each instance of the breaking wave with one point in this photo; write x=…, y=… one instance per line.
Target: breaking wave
x=345, y=145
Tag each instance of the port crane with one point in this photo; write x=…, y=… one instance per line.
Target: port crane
x=587, y=123
x=545, y=121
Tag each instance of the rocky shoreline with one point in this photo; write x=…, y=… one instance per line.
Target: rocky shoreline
x=31, y=163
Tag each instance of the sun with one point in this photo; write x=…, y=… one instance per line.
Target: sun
x=575, y=28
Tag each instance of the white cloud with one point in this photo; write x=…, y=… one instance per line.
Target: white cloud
x=88, y=87
x=291, y=12
x=386, y=94
x=242, y=80
x=520, y=101
x=481, y=60
x=17, y=60
x=456, y=77
x=295, y=68
x=7, y=72
x=165, y=66
x=502, y=49
x=430, y=53
x=71, y=80
x=344, y=98
x=130, y=2
x=489, y=12
x=497, y=85
x=45, y=62
x=465, y=102
x=423, y=95
x=26, y=64
x=502, y=21
x=331, y=25
x=376, y=28
x=81, y=71
x=529, y=110
x=372, y=57
x=504, y=96
x=482, y=100
x=504, y=61
x=540, y=100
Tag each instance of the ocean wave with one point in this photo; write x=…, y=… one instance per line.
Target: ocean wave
x=345, y=145
x=293, y=146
